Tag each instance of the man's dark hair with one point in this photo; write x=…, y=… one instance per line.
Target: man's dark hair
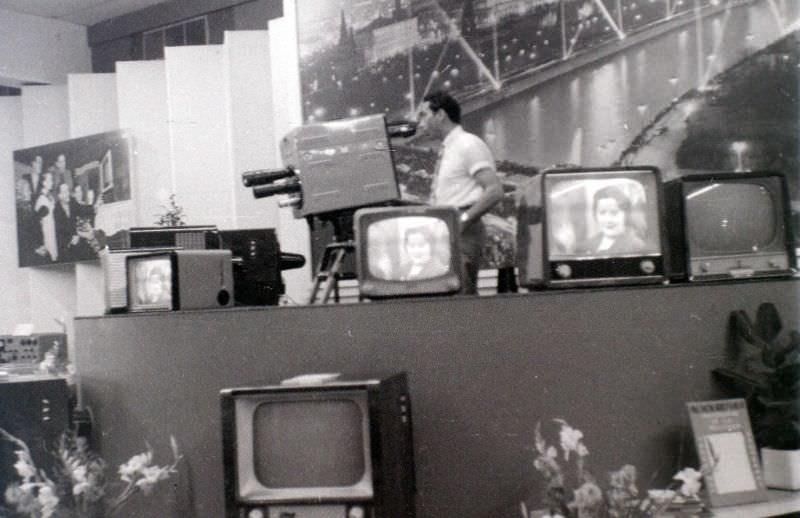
x=441, y=100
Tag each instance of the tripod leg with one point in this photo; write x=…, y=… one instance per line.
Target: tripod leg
x=333, y=275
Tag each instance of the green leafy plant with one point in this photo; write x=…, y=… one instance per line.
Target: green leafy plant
x=571, y=491
x=77, y=486
x=173, y=215
x=767, y=374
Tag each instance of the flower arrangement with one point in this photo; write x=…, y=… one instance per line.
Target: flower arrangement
x=588, y=500
x=76, y=486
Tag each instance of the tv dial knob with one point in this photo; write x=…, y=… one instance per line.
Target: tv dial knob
x=255, y=513
x=356, y=512
x=564, y=271
x=647, y=266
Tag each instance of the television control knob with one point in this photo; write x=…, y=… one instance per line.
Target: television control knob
x=356, y=512
x=647, y=266
x=564, y=271
x=255, y=513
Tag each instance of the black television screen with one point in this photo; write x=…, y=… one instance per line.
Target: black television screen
x=324, y=438
x=591, y=226
x=411, y=250
x=732, y=218
x=730, y=225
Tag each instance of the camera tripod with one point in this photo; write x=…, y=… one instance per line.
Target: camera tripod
x=329, y=271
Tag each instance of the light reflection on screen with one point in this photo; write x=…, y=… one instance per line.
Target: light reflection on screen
x=600, y=215
x=408, y=248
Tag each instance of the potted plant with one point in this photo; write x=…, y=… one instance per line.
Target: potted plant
x=767, y=373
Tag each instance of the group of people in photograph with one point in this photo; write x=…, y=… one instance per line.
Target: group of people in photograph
x=55, y=214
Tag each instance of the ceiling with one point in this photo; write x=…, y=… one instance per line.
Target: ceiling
x=81, y=12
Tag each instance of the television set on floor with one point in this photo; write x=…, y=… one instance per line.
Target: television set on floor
x=319, y=446
x=730, y=225
x=410, y=250
x=591, y=227
x=179, y=279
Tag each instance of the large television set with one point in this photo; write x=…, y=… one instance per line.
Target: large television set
x=408, y=250
x=591, y=227
x=179, y=279
x=730, y=225
x=319, y=446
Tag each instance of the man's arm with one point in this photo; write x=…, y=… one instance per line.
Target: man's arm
x=492, y=194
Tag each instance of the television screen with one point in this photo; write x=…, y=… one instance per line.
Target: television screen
x=407, y=251
x=309, y=443
x=150, y=283
x=730, y=225
x=602, y=214
x=732, y=217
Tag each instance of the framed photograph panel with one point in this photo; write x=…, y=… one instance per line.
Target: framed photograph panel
x=70, y=195
x=727, y=452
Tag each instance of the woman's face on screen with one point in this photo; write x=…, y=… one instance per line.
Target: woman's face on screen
x=418, y=248
x=610, y=217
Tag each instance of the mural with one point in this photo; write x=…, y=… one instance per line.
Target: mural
x=361, y=57
x=687, y=86
x=70, y=195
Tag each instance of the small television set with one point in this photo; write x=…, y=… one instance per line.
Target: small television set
x=179, y=279
x=730, y=225
x=115, y=279
x=408, y=250
x=319, y=446
x=591, y=227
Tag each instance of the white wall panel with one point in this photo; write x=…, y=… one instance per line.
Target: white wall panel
x=252, y=132
x=10, y=139
x=45, y=115
x=287, y=114
x=142, y=108
x=90, y=288
x=199, y=129
x=53, y=296
x=16, y=291
x=92, y=104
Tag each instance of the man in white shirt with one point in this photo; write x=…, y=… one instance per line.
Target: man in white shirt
x=465, y=177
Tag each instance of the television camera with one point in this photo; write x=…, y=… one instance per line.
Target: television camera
x=331, y=169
